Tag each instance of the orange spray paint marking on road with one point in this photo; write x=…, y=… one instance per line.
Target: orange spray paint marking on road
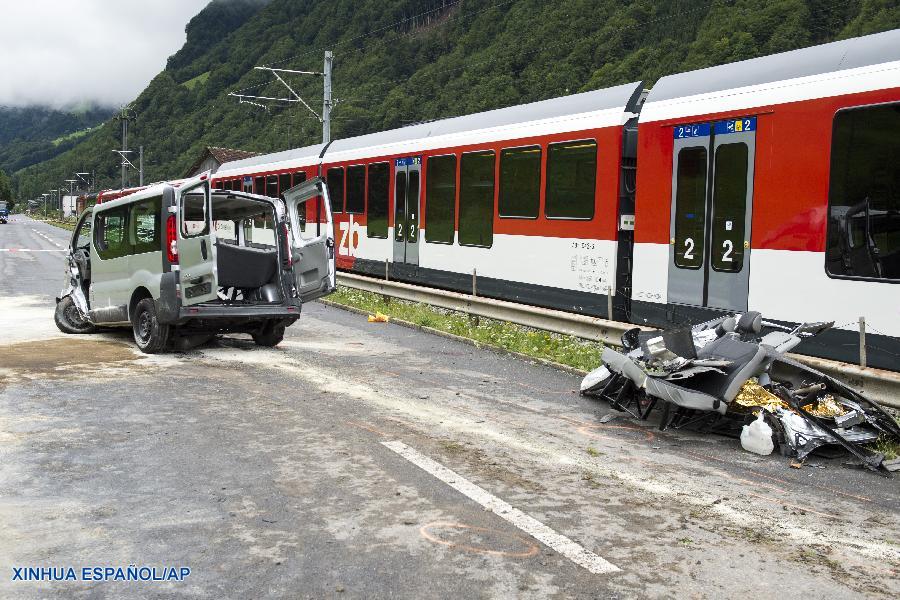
x=427, y=532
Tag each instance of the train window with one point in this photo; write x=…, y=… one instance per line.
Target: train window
x=440, y=199
x=690, y=207
x=284, y=182
x=377, y=215
x=476, y=199
x=729, y=208
x=864, y=194
x=248, y=185
x=299, y=177
x=336, y=188
x=259, y=186
x=520, y=182
x=571, y=180
x=272, y=186
x=222, y=185
x=356, y=189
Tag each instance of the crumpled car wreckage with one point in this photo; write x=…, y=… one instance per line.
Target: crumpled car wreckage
x=717, y=374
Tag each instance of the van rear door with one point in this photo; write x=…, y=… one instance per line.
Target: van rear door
x=312, y=243
x=196, y=242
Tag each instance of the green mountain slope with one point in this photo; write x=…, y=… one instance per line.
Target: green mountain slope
x=404, y=61
x=35, y=134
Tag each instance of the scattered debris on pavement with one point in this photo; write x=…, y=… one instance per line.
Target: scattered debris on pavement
x=723, y=376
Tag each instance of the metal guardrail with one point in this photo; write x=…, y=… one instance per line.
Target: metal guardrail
x=878, y=385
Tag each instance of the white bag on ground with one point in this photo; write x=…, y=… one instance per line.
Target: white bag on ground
x=757, y=437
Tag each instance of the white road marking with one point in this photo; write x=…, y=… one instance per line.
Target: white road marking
x=571, y=550
x=31, y=250
x=47, y=237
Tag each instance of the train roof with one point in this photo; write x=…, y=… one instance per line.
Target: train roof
x=623, y=98
x=834, y=57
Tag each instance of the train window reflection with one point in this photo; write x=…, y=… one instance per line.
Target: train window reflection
x=729, y=208
x=284, y=182
x=440, y=199
x=864, y=195
x=335, y=182
x=690, y=208
x=272, y=186
x=520, y=182
x=356, y=189
x=377, y=215
x=571, y=180
x=476, y=199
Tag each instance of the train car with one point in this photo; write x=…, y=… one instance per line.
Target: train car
x=773, y=185
x=526, y=198
x=790, y=158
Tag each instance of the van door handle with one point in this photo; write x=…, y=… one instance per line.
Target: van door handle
x=203, y=249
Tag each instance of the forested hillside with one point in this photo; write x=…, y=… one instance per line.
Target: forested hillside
x=404, y=61
x=34, y=134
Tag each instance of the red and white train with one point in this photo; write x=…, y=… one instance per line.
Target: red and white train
x=771, y=184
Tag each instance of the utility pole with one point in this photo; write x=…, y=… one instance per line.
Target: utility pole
x=124, y=117
x=141, y=166
x=326, y=101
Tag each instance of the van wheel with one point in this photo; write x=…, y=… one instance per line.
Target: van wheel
x=149, y=334
x=68, y=318
x=270, y=335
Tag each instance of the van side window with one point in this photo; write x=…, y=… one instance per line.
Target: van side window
x=336, y=188
x=145, y=225
x=864, y=194
x=110, y=237
x=571, y=180
x=377, y=216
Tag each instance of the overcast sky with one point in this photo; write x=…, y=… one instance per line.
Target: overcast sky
x=62, y=52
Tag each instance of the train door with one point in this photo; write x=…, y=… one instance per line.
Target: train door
x=712, y=206
x=407, y=204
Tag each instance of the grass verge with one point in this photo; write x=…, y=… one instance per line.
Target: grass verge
x=64, y=223
x=562, y=349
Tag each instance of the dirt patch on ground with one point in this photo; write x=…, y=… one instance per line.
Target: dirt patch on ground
x=47, y=356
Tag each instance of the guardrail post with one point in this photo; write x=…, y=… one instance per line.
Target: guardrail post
x=862, y=342
x=473, y=319
x=609, y=302
x=387, y=277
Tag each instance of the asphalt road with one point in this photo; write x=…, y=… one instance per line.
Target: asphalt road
x=265, y=471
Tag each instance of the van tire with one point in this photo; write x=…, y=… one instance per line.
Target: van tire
x=68, y=318
x=150, y=335
x=270, y=335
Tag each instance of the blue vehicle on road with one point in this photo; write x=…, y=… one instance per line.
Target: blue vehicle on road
x=4, y=212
